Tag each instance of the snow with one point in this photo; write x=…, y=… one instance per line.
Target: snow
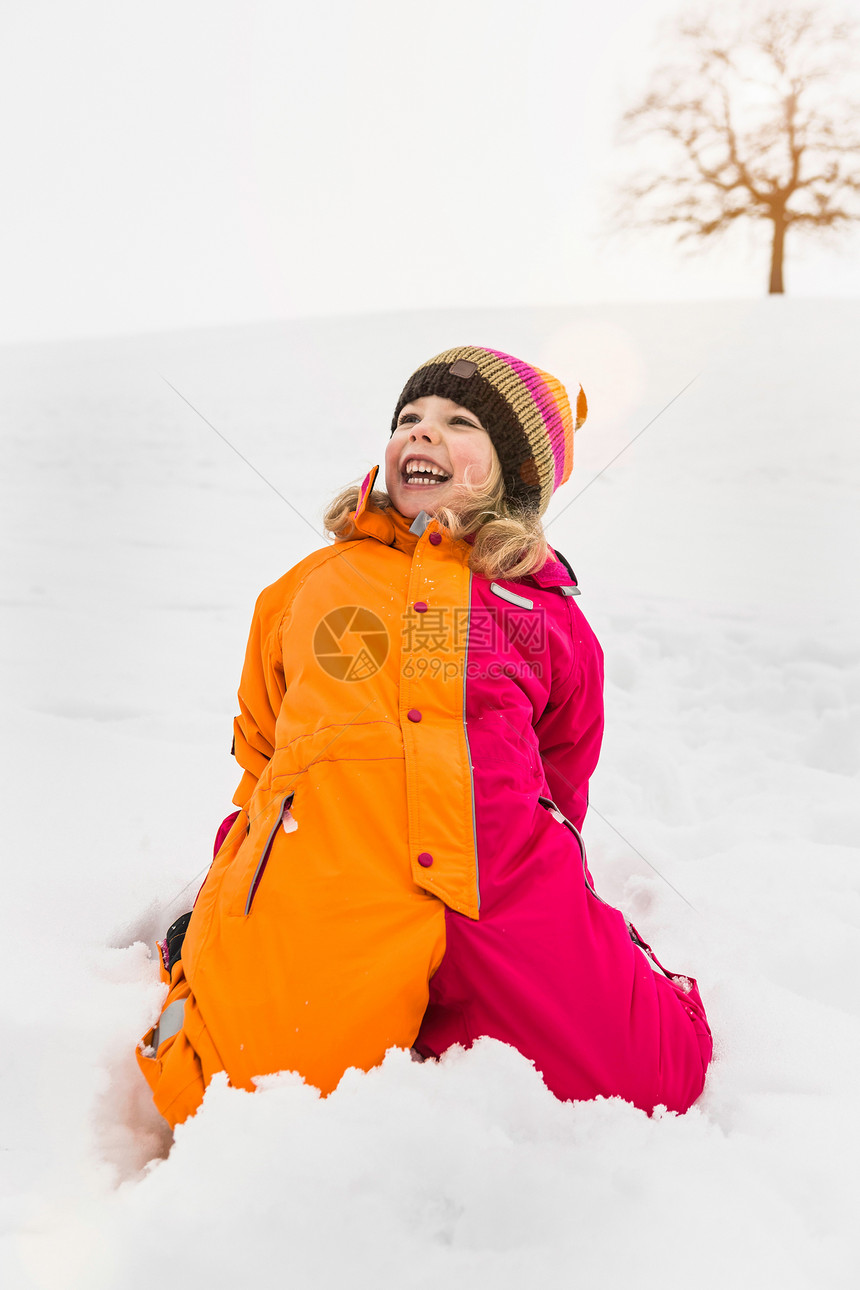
x=717, y=558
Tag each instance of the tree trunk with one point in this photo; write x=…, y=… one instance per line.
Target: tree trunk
x=776, y=254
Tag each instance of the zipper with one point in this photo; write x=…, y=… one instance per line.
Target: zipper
x=468, y=749
x=683, y=981
x=556, y=814
x=264, y=858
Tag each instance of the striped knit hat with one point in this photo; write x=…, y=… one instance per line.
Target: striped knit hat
x=524, y=410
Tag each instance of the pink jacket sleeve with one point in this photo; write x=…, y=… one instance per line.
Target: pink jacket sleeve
x=570, y=730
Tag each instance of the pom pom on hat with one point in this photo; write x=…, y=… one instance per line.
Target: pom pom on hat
x=525, y=411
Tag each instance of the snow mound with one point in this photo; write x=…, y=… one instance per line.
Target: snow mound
x=716, y=557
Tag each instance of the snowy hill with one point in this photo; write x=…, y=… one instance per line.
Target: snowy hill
x=717, y=557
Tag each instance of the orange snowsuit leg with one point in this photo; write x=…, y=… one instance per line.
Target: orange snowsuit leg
x=177, y=1056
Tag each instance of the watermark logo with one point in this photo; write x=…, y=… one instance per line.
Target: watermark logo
x=351, y=643
x=500, y=642
x=484, y=631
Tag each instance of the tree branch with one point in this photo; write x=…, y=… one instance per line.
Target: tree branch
x=747, y=118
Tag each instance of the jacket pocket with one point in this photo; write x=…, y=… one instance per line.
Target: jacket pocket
x=266, y=852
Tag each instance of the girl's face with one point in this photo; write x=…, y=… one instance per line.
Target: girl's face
x=436, y=446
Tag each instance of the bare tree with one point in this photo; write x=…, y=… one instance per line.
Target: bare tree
x=757, y=116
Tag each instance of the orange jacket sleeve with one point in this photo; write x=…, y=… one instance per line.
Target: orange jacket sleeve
x=261, y=692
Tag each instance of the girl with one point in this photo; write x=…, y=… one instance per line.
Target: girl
x=420, y=711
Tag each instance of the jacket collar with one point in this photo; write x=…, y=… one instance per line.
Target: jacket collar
x=553, y=573
x=388, y=526
x=393, y=529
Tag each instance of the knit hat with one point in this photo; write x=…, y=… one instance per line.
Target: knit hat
x=525, y=411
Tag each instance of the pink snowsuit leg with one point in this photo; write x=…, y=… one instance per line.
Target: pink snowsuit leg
x=562, y=981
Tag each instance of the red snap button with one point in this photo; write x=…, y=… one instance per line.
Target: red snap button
x=413, y=714
x=435, y=538
x=420, y=606
x=425, y=859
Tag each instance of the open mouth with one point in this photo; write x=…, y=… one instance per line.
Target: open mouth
x=422, y=473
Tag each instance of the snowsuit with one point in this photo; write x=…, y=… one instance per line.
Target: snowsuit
x=405, y=867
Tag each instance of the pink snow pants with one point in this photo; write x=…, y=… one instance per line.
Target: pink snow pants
x=564, y=982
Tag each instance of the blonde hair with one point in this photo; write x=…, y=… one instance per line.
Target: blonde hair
x=509, y=540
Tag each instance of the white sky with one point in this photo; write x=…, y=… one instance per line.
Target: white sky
x=207, y=161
